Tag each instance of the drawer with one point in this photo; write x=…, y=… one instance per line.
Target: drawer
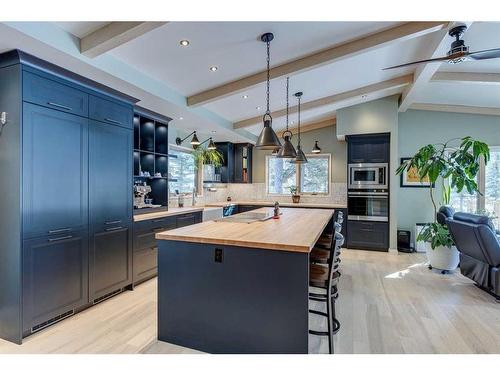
x=145, y=264
x=188, y=219
x=166, y=223
x=367, y=235
x=110, y=112
x=55, y=95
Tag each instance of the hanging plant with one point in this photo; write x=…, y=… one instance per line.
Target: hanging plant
x=205, y=156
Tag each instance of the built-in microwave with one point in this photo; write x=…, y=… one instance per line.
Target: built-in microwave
x=372, y=206
x=368, y=176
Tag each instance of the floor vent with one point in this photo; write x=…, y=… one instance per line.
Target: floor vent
x=106, y=296
x=51, y=321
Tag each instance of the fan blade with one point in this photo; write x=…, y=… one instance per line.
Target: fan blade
x=485, y=54
x=437, y=59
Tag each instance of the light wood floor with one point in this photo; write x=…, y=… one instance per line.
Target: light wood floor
x=388, y=304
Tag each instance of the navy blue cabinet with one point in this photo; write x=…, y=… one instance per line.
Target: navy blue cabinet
x=66, y=218
x=55, y=171
x=55, y=278
x=368, y=148
x=48, y=93
x=110, y=193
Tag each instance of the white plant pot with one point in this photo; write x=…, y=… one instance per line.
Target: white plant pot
x=442, y=257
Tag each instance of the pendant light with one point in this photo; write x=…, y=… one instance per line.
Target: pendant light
x=287, y=151
x=301, y=157
x=316, y=149
x=268, y=140
x=194, y=140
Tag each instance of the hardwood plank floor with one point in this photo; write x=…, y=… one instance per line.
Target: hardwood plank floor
x=388, y=303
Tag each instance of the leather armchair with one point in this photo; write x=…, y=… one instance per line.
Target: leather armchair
x=479, y=247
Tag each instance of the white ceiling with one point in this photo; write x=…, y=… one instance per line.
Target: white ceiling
x=157, y=64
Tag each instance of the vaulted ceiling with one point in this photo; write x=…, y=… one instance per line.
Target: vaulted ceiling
x=335, y=64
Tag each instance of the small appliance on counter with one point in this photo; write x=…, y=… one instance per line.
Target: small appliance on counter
x=141, y=199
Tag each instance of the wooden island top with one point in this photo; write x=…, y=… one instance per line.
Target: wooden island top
x=296, y=230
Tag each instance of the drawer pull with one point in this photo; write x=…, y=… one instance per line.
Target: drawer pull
x=112, y=121
x=60, y=106
x=60, y=238
x=113, y=229
x=112, y=222
x=55, y=231
x=158, y=220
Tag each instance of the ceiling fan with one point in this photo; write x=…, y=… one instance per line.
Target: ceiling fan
x=458, y=52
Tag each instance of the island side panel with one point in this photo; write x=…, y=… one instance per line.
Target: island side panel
x=255, y=301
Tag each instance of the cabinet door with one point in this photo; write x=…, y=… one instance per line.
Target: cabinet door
x=110, y=263
x=145, y=264
x=110, y=176
x=110, y=112
x=55, y=277
x=238, y=163
x=55, y=171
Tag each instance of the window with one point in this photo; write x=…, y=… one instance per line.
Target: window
x=489, y=182
x=183, y=175
x=281, y=174
x=315, y=175
x=310, y=178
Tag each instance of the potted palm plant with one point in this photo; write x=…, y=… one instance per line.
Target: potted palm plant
x=451, y=167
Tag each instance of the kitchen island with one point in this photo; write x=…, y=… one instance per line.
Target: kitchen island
x=233, y=286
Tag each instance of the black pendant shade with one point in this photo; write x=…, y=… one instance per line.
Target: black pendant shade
x=211, y=145
x=316, y=149
x=194, y=140
x=268, y=140
x=301, y=157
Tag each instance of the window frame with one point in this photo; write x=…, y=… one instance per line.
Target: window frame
x=298, y=176
x=199, y=171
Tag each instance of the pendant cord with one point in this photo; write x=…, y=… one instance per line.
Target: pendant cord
x=268, y=75
x=298, y=126
x=287, y=80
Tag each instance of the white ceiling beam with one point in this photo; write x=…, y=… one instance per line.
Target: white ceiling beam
x=456, y=109
x=390, y=84
x=113, y=35
x=466, y=77
x=335, y=53
x=424, y=72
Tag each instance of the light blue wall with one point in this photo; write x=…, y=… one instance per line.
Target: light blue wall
x=378, y=116
x=419, y=128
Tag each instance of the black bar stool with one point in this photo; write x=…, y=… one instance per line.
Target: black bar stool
x=326, y=277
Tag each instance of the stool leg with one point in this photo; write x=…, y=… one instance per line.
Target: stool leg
x=329, y=301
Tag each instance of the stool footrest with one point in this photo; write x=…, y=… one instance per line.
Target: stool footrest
x=319, y=313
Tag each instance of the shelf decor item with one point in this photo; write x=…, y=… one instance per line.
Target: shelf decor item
x=287, y=151
x=456, y=167
x=268, y=140
x=295, y=195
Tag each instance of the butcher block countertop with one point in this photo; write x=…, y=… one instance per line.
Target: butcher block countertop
x=170, y=212
x=271, y=203
x=296, y=230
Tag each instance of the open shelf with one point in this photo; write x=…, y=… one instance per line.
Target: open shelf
x=151, y=154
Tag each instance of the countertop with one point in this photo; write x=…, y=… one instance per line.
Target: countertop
x=271, y=203
x=296, y=230
x=171, y=211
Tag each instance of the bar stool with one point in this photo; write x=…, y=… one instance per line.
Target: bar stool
x=326, y=238
x=326, y=278
x=320, y=252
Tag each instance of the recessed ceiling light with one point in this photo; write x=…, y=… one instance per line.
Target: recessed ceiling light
x=181, y=118
x=184, y=42
x=213, y=68
x=214, y=131
x=245, y=96
x=257, y=108
x=364, y=96
x=292, y=122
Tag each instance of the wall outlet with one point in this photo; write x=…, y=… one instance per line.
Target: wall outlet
x=218, y=255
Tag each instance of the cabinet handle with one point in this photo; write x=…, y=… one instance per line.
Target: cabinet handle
x=60, y=238
x=112, y=121
x=112, y=222
x=113, y=229
x=54, y=231
x=60, y=106
x=158, y=220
